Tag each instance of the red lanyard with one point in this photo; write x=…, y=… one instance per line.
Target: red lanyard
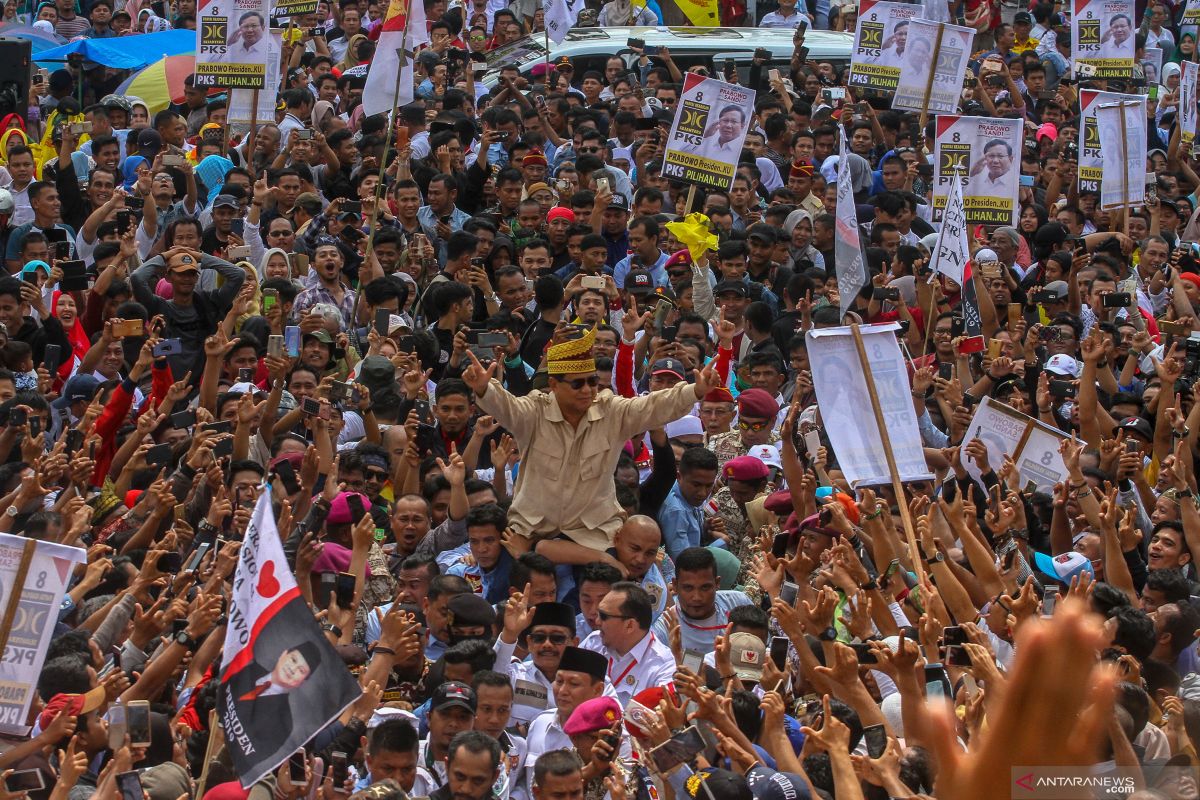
x=617, y=680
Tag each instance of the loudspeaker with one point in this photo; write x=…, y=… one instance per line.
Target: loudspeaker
x=15, y=75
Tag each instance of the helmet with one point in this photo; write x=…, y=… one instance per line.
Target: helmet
x=6, y=202
x=116, y=101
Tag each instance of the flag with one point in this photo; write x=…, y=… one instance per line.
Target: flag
x=847, y=249
x=281, y=680
x=972, y=323
x=701, y=13
x=380, y=87
x=952, y=250
x=560, y=16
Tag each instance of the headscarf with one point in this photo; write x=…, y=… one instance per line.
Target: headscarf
x=44, y=26
x=320, y=109
x=75, y=335
x=254, y=307
x=266, y=258
x=156, y=24
x=789, y=224
x=212, y=171
x=129, y=171
x=1179, y=55
x=1169, y=70
x=349, y=60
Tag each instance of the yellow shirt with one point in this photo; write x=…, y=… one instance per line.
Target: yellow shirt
x=1029, y=44
x=565, y=481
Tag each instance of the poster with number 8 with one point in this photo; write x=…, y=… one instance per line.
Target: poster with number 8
x=1032, y=445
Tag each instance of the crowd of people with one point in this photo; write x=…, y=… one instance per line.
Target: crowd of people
x=538, y=429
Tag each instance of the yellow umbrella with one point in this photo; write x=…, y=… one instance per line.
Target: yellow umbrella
x=161, y=83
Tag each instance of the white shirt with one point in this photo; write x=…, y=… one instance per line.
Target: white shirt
x=650, y=663
x=546, y=734
x=777, y=20
x=533, y=692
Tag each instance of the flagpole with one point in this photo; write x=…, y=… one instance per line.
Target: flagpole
x=1125, y=204
x=937, y=51
x=914, y=553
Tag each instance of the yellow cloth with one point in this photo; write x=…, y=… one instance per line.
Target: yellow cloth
x=704, y=13
x=694, y=233
x=565, y=482
x=572, y=357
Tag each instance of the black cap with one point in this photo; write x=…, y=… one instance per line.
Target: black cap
x=469, y=610
x=639, y=282
x=551, y=613
x=453, y=694
x=718, y=784
x=1050, y=234
x=761, y=230
x=738, y=287
x=1023, y=16
x=589, y=662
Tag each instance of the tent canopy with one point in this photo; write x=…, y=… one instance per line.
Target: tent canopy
x=126, y=52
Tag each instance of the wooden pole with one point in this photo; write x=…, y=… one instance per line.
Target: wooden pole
x=215, y=740
x=250, y=137
x=1125, y=204
x=937, y=52
x=691, y=198
x=897, y=487
x=14, y=597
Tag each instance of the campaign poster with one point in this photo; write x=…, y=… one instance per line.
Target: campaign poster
x=851, y=271
x=293, y=8
x=32, y=585
x=986, y=154
x=281, y=680
x=845, y=403
x=232, y=44
x=1091, y=159
x=949, y=67
x=879, y=44
x=1187, y=102
x=1102, y=35
x=1151, y=64
x=1122, y=131
x=1191, y=14
x=241, y=101
x=1032, y=445
x=706, y=138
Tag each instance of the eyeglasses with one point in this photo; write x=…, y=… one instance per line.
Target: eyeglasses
x=278, y=233
x=605, y=616
x=585, y=150
x=375, y=475
x=754, y=426
x=579, y=383
x=556, y=639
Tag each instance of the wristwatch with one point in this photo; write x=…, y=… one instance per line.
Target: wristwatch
x=828, y=635
x=937, y=558
x=12, y=511
x=185, y=640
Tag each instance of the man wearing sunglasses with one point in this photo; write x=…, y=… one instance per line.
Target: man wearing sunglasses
x=637, y=659
x=573, y=435
x=757, y=414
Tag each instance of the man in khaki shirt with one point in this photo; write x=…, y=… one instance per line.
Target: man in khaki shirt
x=570, y=439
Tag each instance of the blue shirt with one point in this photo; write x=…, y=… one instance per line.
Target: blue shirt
x=428, y=221
x=658, y=271
x=681, y=523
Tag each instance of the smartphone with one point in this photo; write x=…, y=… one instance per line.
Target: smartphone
x=52, y=358
x=1062, y=389
x=407, y=344
x=635, y=43
x=238, y=253
x=183, y=419
x=789, y=592
x=694, y=661
x=353, y=206
x=876, y=739
x=1117, y=300
x=343, y=588
x=422, y=409
x=270, y=298
x=74, y=441
x=124, y=220
x=287, y=475
x=158, y=455
x=291, y=338
x=779, y=651
x=130, y=784
x=972, y=344
x=679, y=749
x=1027, y=181
x=310, y=407
x=1045, y=298
x=170, y=563
x=168, y=347
x=118, y=725
x=945, y=371
x=129, y=327
x=173, y=160
x=492, y=339
x=237, y=227
x=936, y=681
x=958, y=656
x=1049, y=601
x=729, y=68
x=802, y=54
x=62, y=250
x=297, y=767
x=17, y=417
x=885, y=293
x=198, y=555
x=275, y=346
x=864, y=653
x=993, y=348
x=812, y=442
x=25, y=780
x=780, y=543
x=762, y=53
x=137, y=714
x=383, y=319
x=601, y=184
x=78, y=128
x=223, y=447
x=304, y=134
x=340, y=768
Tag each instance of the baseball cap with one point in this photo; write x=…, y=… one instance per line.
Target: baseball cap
x=79, y=387
x=768, y=784
x=149, y=142
x=746, y=654
x=1048, y=129
x=321, y=335
x=225, y=201
x=619, y=201
x=985, y=256
x=766, y=453
x=763, y=232
x=737, y=287
x=1138, y=426
x=639, y=282
x=669, y=366
x=310, y=202
x=453, y=694
x=1060, y=289
x=73, y=704
x=1064, y=566
x=1063, y=364
x=1023, y=16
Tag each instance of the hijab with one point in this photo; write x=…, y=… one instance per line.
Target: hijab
x=75, y=335
x=129, y=171
x=1179, y=55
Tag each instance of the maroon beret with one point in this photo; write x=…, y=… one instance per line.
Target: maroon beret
x=757, y=403
x=744, y=468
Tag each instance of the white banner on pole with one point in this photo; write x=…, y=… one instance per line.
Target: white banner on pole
x=847, y=246
x=1091, y=163
x=845, y=403
x=952, y=252
x=1187, y=102
x=40, y=597
x=1123, y=148
x=1032, y=445
x=949, y=67
x=241, y=101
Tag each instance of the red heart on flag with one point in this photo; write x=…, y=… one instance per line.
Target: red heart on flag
x=268, y=584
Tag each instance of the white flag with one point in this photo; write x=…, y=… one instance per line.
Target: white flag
x=380, y=88
x=952, y=250
x=851, y=271
x=560, y=16
x=1123, y=154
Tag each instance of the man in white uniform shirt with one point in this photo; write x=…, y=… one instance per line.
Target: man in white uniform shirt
x=637, y=659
